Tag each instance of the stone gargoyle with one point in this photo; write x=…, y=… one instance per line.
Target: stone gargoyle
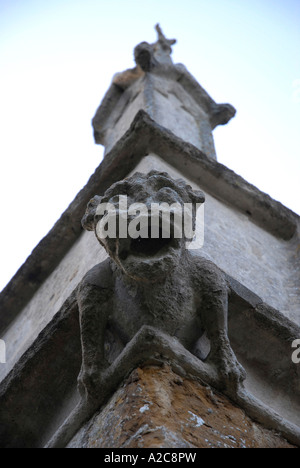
x=151, y=302
x=151, y=297
x=153, y=282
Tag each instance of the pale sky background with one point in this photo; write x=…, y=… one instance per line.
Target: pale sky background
x=57, y=58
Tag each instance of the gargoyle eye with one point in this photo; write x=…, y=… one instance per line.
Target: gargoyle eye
x=167, y=190
x=167, y=194
x=115, y=199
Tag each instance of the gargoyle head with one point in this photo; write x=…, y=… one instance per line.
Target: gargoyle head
x=144, y=222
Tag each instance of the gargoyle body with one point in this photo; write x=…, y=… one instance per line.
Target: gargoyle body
x=151, y=281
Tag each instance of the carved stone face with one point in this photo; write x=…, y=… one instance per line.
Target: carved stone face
x=146, y=247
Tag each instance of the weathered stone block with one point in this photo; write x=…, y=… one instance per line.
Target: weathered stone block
x=156, y=408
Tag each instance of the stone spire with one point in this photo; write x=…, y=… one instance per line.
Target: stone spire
x=167, y=92
x=168, y=345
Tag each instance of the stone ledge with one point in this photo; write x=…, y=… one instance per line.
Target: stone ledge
x=150, y=346
x=155, y=408
x=40, y=391
x=143, y=137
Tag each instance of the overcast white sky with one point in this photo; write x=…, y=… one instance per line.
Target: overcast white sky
x=57, y=58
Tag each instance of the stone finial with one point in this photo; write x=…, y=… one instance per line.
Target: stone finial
x=147, y=56
x=163, y=45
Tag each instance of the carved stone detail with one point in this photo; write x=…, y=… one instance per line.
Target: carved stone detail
x=154, y=305
x=153, y=282
x=160, y=285
x=148, y=56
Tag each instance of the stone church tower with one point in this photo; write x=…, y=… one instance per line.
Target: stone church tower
x=153, y=373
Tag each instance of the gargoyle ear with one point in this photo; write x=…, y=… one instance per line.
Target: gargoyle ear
x=88, y=222
x=196, y=196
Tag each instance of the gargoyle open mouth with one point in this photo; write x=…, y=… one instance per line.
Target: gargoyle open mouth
x=149, y=247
